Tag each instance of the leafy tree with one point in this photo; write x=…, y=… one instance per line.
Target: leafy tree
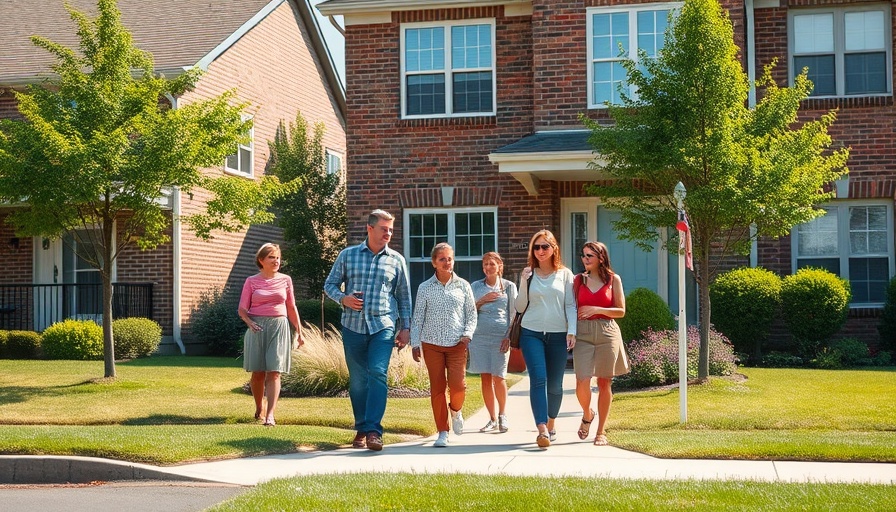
x=99, y=145
x=313, y=215
x=689, y=121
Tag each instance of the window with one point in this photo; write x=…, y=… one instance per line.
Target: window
x=847, y=50
x=448, y=69
x=472, y=233
x=632, y=29
x=241, y=161
x=853, y=241
x=84, y=300
x=334, y=163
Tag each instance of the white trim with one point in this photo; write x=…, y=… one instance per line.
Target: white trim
x=376, y=6
x=839, y=51
x=367, y=18
x=631, y=11
x=841, y=210
x=177, y=259
x=447, y=70
x=238, y=171
x=216, y=52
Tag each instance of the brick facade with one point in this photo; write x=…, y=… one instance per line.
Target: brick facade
x=541, y=71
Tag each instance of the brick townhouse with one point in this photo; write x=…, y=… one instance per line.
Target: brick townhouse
x=270, y=51
x=463, y=120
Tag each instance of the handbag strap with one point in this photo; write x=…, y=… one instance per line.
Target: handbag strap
x=528, y=282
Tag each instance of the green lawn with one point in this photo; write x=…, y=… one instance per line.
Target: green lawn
x=474, y=493
x=166, y=410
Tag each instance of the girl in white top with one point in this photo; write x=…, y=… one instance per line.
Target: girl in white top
x=548, y=329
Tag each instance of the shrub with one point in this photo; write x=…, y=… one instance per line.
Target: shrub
x=887, y=327
x=309, y=312
x=644, y=310
x=319, y=368
x=744, y=303
x=4, y=335
x=73, y=339
x=814, y=304
x=135, y=337
x=775, y=359
x=852, y=351
x=215, y=321
x=654, y=357
x=23, y=344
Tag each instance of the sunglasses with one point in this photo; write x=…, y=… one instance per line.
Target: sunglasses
x=541, y=247
x=588, y=256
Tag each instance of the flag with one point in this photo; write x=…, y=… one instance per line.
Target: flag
x=684, y=239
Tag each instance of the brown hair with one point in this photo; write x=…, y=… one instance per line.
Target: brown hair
x=263, y=252
x=604, y=270
x=549, y=237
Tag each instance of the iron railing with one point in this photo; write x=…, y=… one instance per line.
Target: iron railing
x=34, y=307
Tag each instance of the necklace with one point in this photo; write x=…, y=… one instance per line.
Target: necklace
x=543, y=274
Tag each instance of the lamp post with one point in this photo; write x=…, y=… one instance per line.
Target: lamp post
x=679, y=194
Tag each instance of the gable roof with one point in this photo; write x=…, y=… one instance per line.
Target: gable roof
x=178, y=34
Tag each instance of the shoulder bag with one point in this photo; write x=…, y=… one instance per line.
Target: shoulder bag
x=516, y=326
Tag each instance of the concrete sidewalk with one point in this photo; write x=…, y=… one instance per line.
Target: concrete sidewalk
x=510, y=453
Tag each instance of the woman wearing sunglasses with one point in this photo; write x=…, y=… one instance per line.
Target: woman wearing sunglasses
x=599, y=351
x=548, y=329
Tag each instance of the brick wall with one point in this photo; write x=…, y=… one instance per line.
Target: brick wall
x=274, y=68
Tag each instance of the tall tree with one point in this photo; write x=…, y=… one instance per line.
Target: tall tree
x=312, y=215
x=689, y=121
x=99, y=146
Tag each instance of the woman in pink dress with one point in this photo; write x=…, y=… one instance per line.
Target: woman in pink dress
x=598, y=351
x=268, y=306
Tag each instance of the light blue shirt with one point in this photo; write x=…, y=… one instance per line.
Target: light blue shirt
x=383, y=279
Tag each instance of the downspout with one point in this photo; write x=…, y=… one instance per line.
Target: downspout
x=749, y=35
x=176, y=263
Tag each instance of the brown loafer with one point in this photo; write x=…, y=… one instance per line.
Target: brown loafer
x=374, y=441
x=360, y=440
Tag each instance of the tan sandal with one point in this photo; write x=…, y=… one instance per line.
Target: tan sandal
x=543, y=441
x=585, y=427
x=601, y=440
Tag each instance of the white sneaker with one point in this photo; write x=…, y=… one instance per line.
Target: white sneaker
x=457, y=422
x=442, y=441
x=491, y=425
x=503, y=426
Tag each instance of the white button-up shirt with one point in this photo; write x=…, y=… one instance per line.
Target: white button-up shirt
x=444, y=313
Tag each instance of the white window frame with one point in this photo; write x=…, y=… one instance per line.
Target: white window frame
x=334, y=162
x=841, y=209
x=452, y=231
x=250, y=148
x=632, y=11
x=839, y=29
x=448, y=71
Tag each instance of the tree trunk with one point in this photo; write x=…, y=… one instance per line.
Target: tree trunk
x=106, y=273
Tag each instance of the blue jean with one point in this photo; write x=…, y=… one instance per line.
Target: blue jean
x=545, y=356
x=367, y=357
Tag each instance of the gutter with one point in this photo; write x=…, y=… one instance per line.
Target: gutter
x=177, y=262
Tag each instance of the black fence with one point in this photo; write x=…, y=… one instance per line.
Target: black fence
x=34, y=307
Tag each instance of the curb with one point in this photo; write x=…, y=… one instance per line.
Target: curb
x=50, y=469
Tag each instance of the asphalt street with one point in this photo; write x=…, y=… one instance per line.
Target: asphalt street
x=137, y=496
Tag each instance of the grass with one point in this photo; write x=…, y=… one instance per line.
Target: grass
x=471, y=493
x=166, y=410
x=784, y=414
x=155, y=404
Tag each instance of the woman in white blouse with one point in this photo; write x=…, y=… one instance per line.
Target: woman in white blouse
x=443, y=323
x=548, y=329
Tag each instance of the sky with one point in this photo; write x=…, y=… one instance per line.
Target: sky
x=335, y=41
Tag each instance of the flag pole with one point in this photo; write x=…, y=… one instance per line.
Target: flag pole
x=680, y=194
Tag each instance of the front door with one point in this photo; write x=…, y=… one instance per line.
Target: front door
x=586, y=219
